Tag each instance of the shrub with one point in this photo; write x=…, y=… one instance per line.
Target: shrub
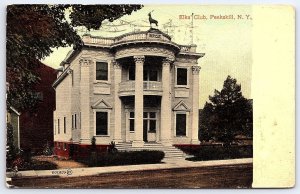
x=202, y=153
x=127, y=158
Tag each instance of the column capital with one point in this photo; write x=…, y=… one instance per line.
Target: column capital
x=139, y=59
x=196, y=70
x=85, y=62
x=116, y=64
x=167, y=61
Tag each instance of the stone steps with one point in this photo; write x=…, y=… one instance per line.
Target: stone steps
x=171, y=152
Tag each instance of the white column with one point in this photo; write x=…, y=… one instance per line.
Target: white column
x=166, y=104
x=138, y=102
x=195, y=109
x=117, y=104
x=85, y=100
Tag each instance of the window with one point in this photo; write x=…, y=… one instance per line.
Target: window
x=58, y=127
x=101, y=123
x=75, y=121
x=72, y=121
x=150, y=75
x=180, y=124
x=131, y=72
x=101, y=71
x=181, y=76
x=131, y=121
x=150, y=121
x=65, y=128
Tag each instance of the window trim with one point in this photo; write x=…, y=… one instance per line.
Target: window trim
x=187, y=114
x=108, y=111
x=108, y=81
x=187, y=77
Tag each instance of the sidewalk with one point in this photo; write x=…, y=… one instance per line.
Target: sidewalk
x=168, y=164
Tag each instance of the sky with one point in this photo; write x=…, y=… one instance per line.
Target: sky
x=225, y=42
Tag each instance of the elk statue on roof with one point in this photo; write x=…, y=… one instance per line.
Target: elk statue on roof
x=151, y=20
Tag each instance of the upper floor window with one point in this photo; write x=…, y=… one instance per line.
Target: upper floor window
x=131, y=72
x=182, y=76
x=150, y=75
x=101, y=71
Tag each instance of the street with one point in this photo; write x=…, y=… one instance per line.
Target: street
x=230, y=176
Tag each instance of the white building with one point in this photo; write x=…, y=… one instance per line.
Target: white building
x=133, y=89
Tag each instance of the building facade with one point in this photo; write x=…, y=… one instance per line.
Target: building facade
x=135, y=88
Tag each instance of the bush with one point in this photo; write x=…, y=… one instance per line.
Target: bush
x=127, y=158
x=203, y=153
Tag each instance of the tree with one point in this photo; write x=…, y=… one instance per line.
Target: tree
x=227, y=114
x=34, y=30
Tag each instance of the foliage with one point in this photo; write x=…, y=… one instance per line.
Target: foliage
x=93, y=142
x=210, y=152
x=11, y=150
x=226, y=115
x=34, y=30
x=126, y=158
x=47, y=150
x=112, y=147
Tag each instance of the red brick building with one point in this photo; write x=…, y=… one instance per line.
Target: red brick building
x=36, y=127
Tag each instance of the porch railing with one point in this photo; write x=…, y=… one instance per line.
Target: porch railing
x=147, y=85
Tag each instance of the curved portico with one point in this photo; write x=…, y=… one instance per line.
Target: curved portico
x=136, y=88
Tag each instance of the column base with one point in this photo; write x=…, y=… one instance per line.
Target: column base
x=195, y=142
x=166, y=142
x=137, y=143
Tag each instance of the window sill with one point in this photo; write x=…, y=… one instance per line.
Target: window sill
x=102, y=135
x=131, y=131
x=102, y=82
x=151, y=131
x=182, y=86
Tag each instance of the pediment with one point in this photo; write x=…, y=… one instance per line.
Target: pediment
x=101, y=104
x=181, y=106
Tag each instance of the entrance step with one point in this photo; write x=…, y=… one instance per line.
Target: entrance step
x=171, y=152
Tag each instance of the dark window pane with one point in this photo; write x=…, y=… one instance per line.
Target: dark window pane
x=153, y=75
x=101, y=123
x=145, y=75
x=131, y=114
x=180, y=124
x=131, y=73
x=152, y=125
x=181, y=76
x=101, y=71
x=152, y=114
x=65, y=122
x=131, y=124
x=145, y=115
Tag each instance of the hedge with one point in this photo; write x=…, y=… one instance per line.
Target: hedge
x=124, y=158
x=221, y=153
